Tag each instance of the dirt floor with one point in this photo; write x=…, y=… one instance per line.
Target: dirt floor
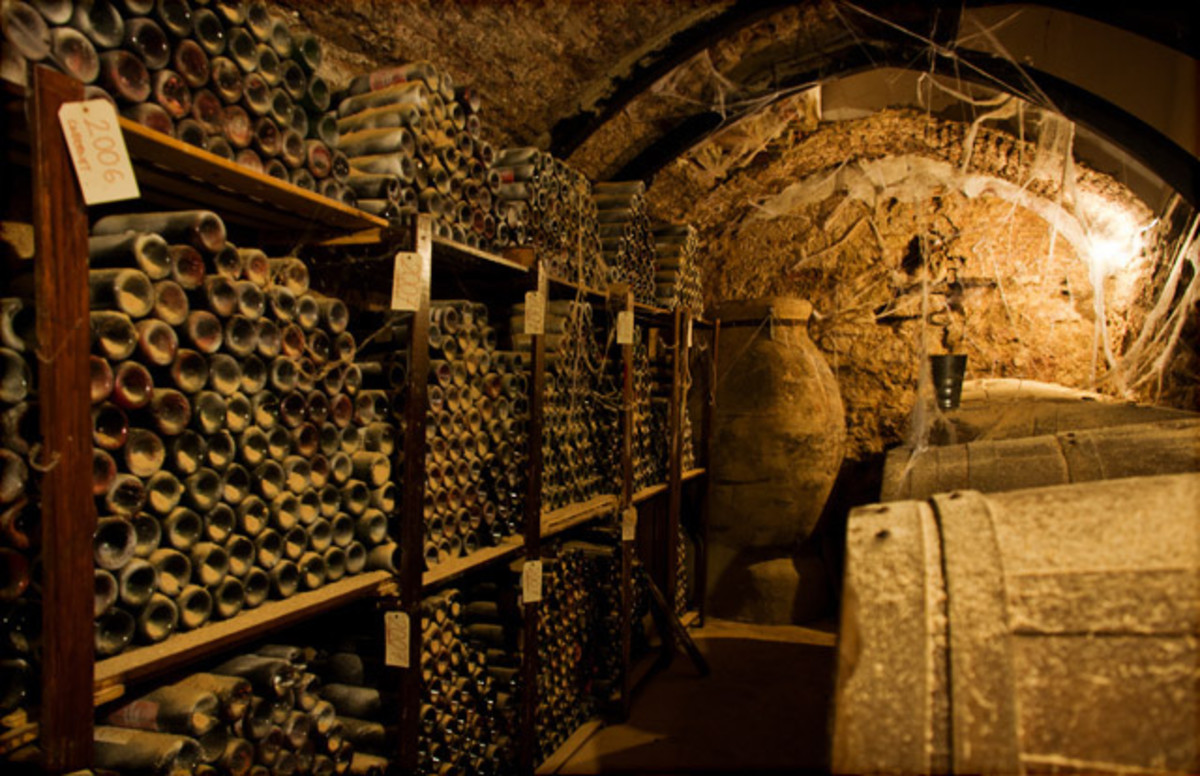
x=764, y=708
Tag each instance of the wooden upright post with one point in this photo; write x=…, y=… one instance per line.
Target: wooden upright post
x=412, y=505
x=533, y=551
x=68, y=511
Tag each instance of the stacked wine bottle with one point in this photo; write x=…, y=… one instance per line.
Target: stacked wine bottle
x=235, y=458
x=470, y=710
x=579, y=429
x=551, y=209
x=625, y=236
x=579, y=654
x=477, y=434
x=260, y=712
x=677, y=268
x=651, y=401
x=227, y=77
x=20, y=532
x=414, y=144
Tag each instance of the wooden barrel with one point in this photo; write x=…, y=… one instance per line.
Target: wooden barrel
x=1034, y=630
x=991, y=466
x=1009, y=409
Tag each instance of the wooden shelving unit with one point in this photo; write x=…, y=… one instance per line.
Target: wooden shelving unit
x=173, y=174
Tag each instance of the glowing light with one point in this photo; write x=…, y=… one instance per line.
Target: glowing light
x=1114, y=235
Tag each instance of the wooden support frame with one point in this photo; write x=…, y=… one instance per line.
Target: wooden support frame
x=68, y=510
x=70, y=679
x=412, y=504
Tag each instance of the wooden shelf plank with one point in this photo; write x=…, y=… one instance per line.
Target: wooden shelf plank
x=568, y=748
x=166, y=153
x=456, y=567
x=649, y=492
x=692, y=474
x=689, y=618
x=594, y=294
x=214, y=637
x=573, y=515
x=17, y=737
x=445, y=248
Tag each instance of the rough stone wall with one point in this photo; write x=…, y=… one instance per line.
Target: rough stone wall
x=534, y=61
x=1025, y=311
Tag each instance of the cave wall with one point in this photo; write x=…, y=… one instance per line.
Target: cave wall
x=879, y=265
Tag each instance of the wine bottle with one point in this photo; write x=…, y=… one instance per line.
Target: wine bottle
x=124, y=76
x=74, y=53
x=190, y=61
x=100, y=21
x=208, y=31
x=147, y=40
x=237, y=128
x=25, y=30
x=207, y=109
x=175, y=16
x=227, y=80
x=172, y=93
x=192, y=132
x=242, y=49
x=150, y=116
x=201, y=228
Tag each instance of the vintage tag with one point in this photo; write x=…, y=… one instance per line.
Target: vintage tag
x=98, y=151
x=629, y=519
x=687, y=334
x=396, y=639
x=531, y=581
x=625, y=327
x=406, y=281
x=535, y=313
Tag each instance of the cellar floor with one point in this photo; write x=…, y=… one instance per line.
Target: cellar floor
x=764, y=707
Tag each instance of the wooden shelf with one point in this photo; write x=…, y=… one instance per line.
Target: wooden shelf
x=447, y=249
x=183, y=174
x=568, y=748
x=17, y=737
x=649, y=492
x=594, y=294
x=456, y=567
x=210, y=639
x=692, y=474
x=574, y=515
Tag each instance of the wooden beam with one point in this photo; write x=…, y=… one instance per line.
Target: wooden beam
x=68, y=511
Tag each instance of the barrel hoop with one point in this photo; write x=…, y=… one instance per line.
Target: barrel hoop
x=983, y=713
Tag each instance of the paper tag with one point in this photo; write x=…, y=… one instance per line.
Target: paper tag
x=406, y=281
x=531, y=581
x=629, y=520
x=543, y=281
x=687, y=334
x=535, y=313
x=625, y=327
x=396, y=639
x=98, y=151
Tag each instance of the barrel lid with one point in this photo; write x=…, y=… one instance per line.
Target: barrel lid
x=785, y=308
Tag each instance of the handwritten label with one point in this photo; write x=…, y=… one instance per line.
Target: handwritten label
x=629, y=520
x=406, y=281
x=531, y=581
x=535, y=313
x=625, y=327
x=396, y=639
x=98, y=151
